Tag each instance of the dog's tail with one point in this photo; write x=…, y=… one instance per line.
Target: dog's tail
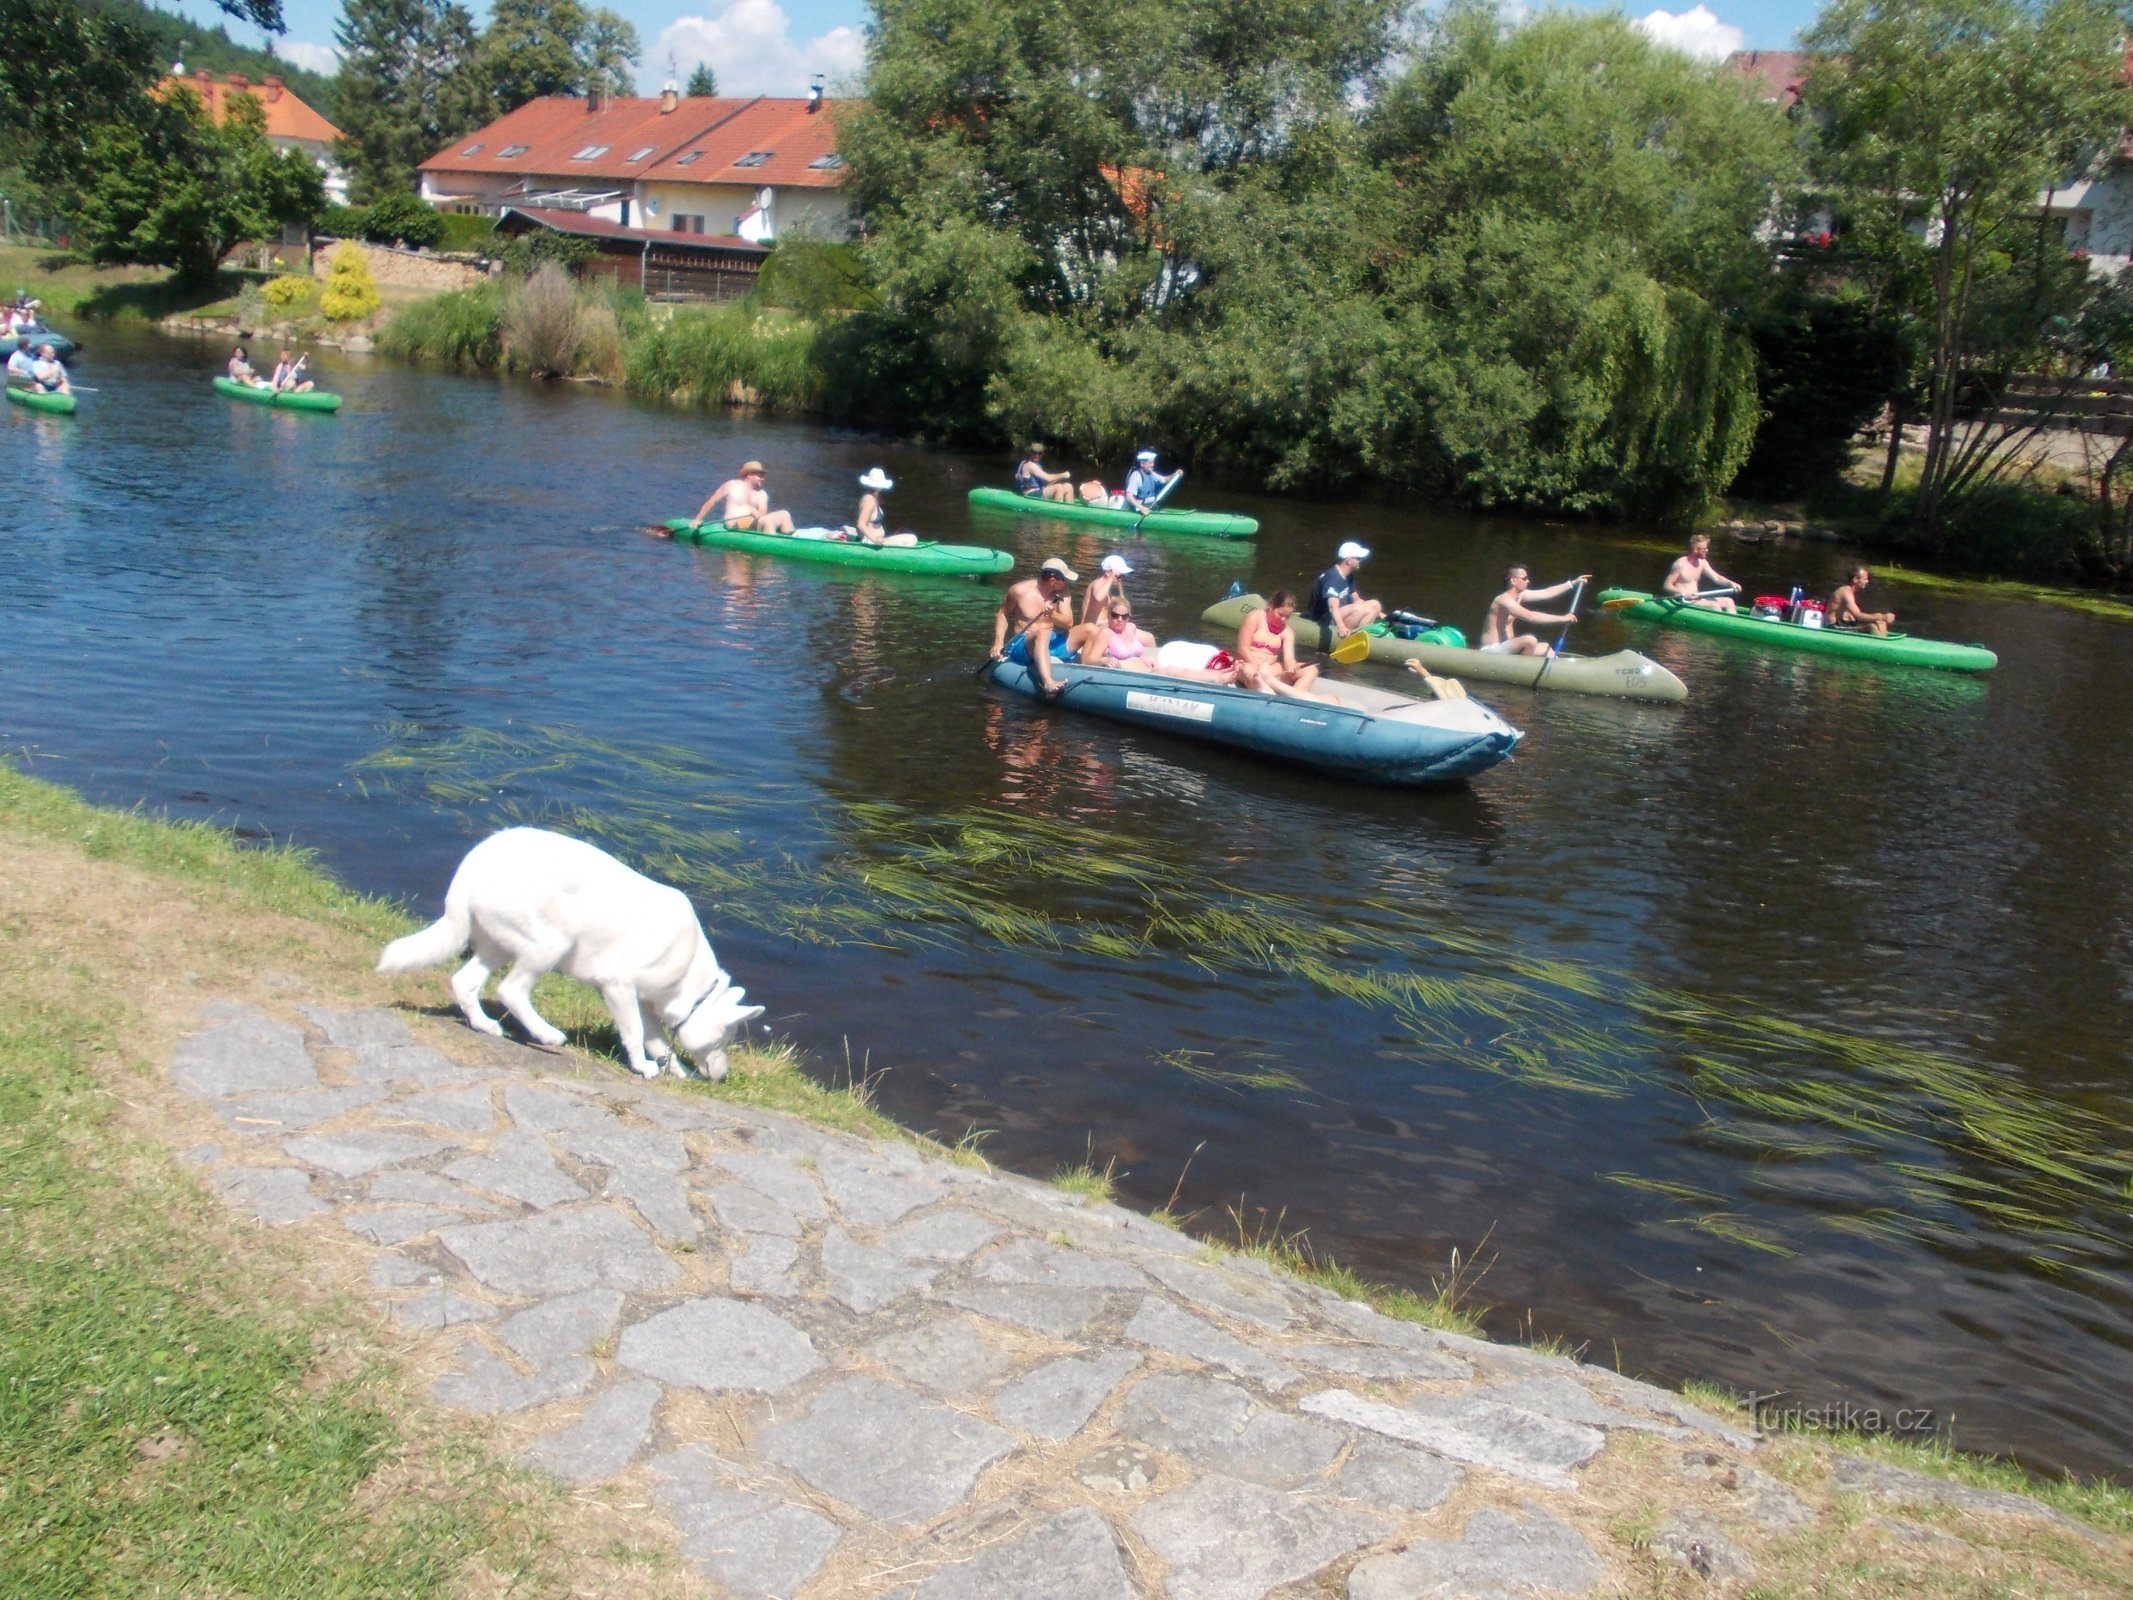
x=438, y=943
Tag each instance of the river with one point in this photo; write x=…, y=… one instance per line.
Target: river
x=1777, y=1039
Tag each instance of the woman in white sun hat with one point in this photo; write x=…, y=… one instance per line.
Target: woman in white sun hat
x=1105, y=587
x=872, y=526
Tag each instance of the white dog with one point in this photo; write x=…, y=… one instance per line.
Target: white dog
x=544, y=903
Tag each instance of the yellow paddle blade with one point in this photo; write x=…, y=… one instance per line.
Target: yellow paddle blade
x=1444, y=688
x=1622, y=602
x=1353, y=648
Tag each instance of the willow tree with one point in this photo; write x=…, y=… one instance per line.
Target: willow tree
x=1952, y=118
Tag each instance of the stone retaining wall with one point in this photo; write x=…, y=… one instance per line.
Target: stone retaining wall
x=406, y=269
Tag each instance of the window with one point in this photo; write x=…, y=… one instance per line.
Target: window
x=828, y=163
x=511, y=150
x=755, y=158
x=473, y=149
x=591, y=152
x=687, y=224
x=640, y=153
x=690, y=159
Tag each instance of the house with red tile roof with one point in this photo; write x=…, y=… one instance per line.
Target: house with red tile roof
x=291, y=124
x=739, y=168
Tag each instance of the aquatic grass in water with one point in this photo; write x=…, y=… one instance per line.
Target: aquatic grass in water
x=1947, y=1142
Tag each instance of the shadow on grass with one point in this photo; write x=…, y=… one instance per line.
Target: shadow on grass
x=151, y=301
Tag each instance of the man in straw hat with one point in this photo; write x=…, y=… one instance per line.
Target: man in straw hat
x=744, y=504
x=1032, y=479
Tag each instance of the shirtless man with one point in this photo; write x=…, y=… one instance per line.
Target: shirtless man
x=744, y=504
x=47, y=374
x=1499, y=633
x=1039, y=613
x=1692, y=577
x=1335, y=606
x=1845, y=610
x=1032, y=479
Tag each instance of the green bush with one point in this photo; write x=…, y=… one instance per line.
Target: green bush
x=814, y=276
x=467, y=232
x=403, y=218
x=351, y=292
x=344, y=222
x=525, y=254
x=290, y=292
x=700, y=353
x=463, y=328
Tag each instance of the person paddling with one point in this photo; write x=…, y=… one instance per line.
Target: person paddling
x=1145, y=487
x=744, y=504
x=1033, y=480
x=47, y=376
x=1041, y=612
x=1335, y=606
x=1499, y=632
x=289, y=375
x=1845, y=611
x=1693, y=578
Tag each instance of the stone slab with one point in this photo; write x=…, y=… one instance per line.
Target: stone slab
x=754, y=1545
x=885, y=1451
x=399, y=1224
x=1226, y=1540
x=1387, y=1474
x=389, y=1271
x=1061, y=1313
x=1697, y=1540
x=488, y=1384
x=441, y=1308
x=559, y=1252
x=661, y=1199
x=1210, y=1287
x=866, y=1279
x=1162, y=1326
x=243, y=1051
x=747, y=1210
x=352, y=1030
x=715, y=1343
x=351, y=1155
x=766, y=1267
x=408, y=1065
x=1497, y=1554
x=569, y=1325
x=605, y=1439
x=946, y=1355
x=1376, y=1361
x=520, y=1166
x=1478, y=1432
x=547, y=1108
x=943, y=1236
x=1073, y=1556
x=1674, y=1407
x=1031, y=1261
x=625, y=1149
x=272, y=1194
x=1220, y=1428
x=1056, y=1400
x=300, y=1108
x=781, y=1179
x=866, y=1194
x=461, y=1110
x=1567, y=1400
x=426, y=1188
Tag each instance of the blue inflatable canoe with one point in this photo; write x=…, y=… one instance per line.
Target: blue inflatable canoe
x=1373, y=736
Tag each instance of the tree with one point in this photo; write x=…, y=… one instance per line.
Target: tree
x=543, y=47
x=403, y=218
x=408, y=87
x=608, y=50
x=702, y=82
x=350, y=292
x=181, y=192
x=1951, y=117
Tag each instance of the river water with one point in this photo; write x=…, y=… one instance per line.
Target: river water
x=1777, y=1039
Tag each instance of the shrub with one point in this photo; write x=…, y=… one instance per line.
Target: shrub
x=701, y=354
x=343, y=222
x=812, y=276
x=525, y=254
x=541, y=323
x=463, y=327
x=403, y=218
x=467, y=232
x=599, y=342
x=290, y=292
x=350, y=290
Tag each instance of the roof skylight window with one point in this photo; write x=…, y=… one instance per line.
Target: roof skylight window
x=828, y=163
x=510, y=150
x=639, y=153
x=473, y=149
x=591, y=152
x=690, y=159
x=755, y=158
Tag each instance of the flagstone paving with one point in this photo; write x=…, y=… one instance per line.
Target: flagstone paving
x=847, y=1367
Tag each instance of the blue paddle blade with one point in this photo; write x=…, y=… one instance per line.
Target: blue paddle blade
x=1236, y=587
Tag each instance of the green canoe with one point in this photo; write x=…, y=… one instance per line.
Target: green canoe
x=814, y=544
x=1625, y=673
x=1210, y=524
x=60, y=405
x=286, y=399
x=1902, y=648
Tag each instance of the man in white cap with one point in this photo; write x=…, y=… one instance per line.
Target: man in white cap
x=1097, y=602
x=1145, y=487
x=1041, y=612
x=1335, y=606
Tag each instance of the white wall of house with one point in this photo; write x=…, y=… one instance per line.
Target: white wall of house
x=2097, y=215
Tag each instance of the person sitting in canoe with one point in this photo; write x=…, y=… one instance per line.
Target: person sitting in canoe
x=289, y=375
x=1041, y=612
x=1145, y=487
x=1266, y=649
x=241, y=369
x=1031, y=479
x=1845, y=611
x=1335, y=606
x=21, y=359
x=1118, y=643
x=1103, y=589
x=1499, y=632
x=744, y=504
x=1693, y=578
x=872, y=527
x=47, y=376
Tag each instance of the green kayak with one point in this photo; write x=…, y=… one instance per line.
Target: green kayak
x=1625, y=673
x=60, y=405
x=1902, y=648
x=818, y=544
x=1210, y=524
x=285, y=399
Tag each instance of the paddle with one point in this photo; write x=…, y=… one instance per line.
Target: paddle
x=985, y=667
x=1576, y=594
x=1161, y=495
x=1356, y=647
x=1624, y=601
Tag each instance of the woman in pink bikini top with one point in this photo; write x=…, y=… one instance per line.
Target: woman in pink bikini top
x=1119, y=643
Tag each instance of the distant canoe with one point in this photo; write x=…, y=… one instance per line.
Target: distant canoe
x=60, y=405
x=814, y=544
x=1902, y=648
x=286, y=399
x=1208, y=524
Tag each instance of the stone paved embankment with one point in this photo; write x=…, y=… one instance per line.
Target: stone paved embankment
x=845, y=1367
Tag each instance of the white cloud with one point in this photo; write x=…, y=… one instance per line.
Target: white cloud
x=1696, y=32
x=312, y=57
x=750, y=48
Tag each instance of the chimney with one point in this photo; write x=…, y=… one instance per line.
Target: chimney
x=814, y=95
x=592, y=102
x=273, y=87
x=669, y=98
x=239, y=81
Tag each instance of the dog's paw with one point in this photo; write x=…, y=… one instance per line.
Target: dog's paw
x=550, y=1037
x=482, y=1022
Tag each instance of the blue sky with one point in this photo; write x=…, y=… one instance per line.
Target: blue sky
x=772, y=46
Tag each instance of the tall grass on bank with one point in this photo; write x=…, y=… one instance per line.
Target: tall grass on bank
x=703, y=354
x=462, y=328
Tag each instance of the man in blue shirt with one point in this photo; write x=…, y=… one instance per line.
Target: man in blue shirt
x=1335, y=606
x=1145, y=486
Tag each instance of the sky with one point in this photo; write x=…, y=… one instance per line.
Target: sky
x=775, y=46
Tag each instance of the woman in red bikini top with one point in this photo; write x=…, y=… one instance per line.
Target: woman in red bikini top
x=1265, y=641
